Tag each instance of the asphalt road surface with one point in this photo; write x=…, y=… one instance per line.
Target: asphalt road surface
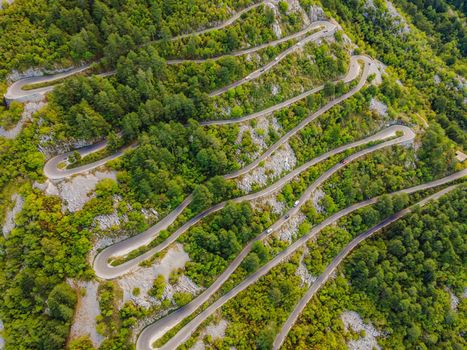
x=145, y=341
x=15, y=91
x=101, y=265
x=52, y=171
x=323, y=278
x=157, y=329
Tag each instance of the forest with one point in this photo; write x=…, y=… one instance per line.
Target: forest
x=63, y=32
x=413, y=58
x=400, y=280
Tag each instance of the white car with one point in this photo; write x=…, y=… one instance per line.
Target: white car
x=276, y=59
x=269, y=230
x=296, y=204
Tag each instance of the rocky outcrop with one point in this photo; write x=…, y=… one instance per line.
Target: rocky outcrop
x=316, y=14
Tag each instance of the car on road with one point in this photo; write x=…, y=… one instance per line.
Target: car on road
x=344, y=161
x=296, y=204
x=287, y=216
x=269, y=230
x=276, y=59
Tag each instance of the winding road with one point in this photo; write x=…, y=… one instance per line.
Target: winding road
x=388, y=137
x=52, y=170
x=145, y=340
x=324, y=277
x=15, y=91
x=157, y=329
x=101, y=262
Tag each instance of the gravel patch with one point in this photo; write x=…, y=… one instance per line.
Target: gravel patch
x=103, y=242
x=378, y=69
x=288, y=231
x=304, y=274
x=259, y=134
x=184, y=284
x=316, y=197
x=398, y=19
x=275, y=90
x=1, y=6
x=213, y=330
x=11, y=214
x=460, y=156
x=84, y=323
x=353, y=321
x=105, y=222
x=29, y=73
x=454, y=299
x=270, y=202
x=50, y=147
x=316, y=14
x=199, y=345
x=29, y=109
x=34, y=72
x=2, y=341
x=76, y=191
x=143, y=278
x=217, y=331
x=378, y=107
x=282, y=160
x=275, y=26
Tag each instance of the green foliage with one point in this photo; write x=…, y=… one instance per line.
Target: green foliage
x=218, y=239
x=252, y=29
x=61, y=302
x=45, y=247
x=410, y=53
x=182, y=298
x=158, y=287
x=398, y=281
x=256, y=314
x=81, y=343
x=66, y=32
x=10, y=116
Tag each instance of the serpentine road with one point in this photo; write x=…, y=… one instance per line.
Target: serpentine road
x=323, y=278
x=104, y=270
x=145, y=341
x=15, y=91
x=52, y=170
x=101, y=265
x=157, y=329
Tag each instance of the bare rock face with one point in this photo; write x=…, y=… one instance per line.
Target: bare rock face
x=2, y=341
x=353, y=321
x=10, y=216
x=316, y=14
x=84, y=323
x=29, y=109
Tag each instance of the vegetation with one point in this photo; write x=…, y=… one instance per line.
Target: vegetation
x=11, y=116
x=397, y=278
x=252, y=29
x=412, y=57
x=160, y=106
x=69, y=32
